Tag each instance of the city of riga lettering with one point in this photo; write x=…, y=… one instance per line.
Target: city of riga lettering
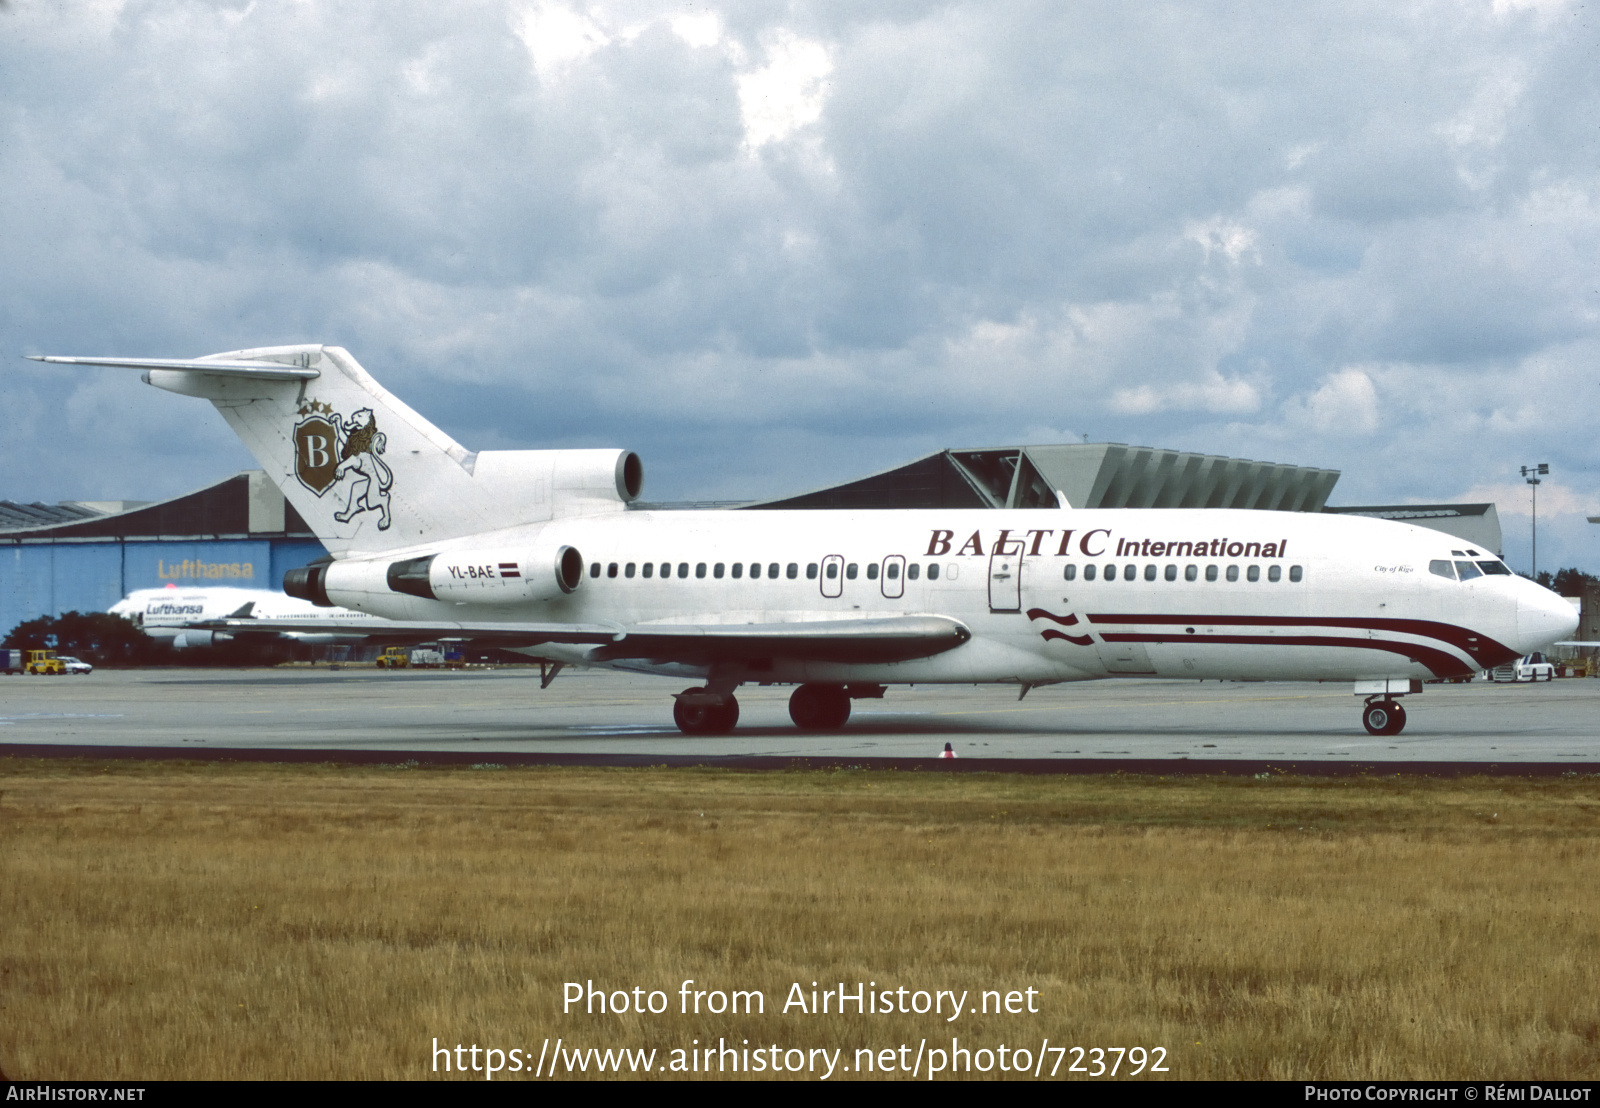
x=1098, y=541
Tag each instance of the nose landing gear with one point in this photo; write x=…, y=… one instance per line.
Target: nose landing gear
x=1383, y=717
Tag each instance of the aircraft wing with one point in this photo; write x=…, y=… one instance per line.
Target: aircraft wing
x=892, y=639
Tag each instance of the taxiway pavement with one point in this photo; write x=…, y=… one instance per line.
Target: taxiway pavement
x=601, y=717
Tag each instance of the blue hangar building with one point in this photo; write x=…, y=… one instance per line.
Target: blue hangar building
x=86, y=555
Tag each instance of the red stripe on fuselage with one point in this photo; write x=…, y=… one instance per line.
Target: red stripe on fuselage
x=1438, y=661
x=1483, y=650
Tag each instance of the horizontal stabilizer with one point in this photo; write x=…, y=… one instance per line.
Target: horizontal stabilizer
x=260, y=371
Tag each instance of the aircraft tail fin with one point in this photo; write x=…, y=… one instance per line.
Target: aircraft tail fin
x=365, y=471
x=339, y=445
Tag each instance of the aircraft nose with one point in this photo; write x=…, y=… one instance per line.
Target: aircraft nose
x=1543, y=618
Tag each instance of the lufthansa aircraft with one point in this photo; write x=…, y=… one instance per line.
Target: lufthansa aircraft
x=538, y=551
x=181, y=616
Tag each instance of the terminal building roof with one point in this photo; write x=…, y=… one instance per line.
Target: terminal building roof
x=1087, y=475
x=246, y=505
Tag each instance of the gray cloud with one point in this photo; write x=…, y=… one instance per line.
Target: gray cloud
x=773, y=245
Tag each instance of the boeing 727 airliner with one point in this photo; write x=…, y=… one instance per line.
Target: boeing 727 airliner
x=539, y=551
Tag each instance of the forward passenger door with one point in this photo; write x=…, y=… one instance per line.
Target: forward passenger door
x=831, y=579
x=1005, y=579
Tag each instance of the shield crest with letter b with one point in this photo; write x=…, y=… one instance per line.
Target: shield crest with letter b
x=316, y=453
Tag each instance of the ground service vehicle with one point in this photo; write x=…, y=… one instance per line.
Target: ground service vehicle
x=45, y=663
x=394, y=657
x=1536, y=667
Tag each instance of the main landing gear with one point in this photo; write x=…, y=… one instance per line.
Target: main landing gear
x=710, y=711
x=703, y=712
x=819, y=707
x=1383, y=717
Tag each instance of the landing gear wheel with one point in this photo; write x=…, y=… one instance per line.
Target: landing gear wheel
x=701, y=718
x=819, y=707
x=1385, y=717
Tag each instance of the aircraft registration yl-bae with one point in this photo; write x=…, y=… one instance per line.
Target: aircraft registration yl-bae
x=182, y=616
x=538, y=551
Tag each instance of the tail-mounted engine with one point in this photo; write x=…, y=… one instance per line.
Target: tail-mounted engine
x=546, y=571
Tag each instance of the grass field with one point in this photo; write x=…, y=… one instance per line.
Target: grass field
x=169, y=920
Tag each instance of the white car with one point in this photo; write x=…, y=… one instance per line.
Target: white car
x=1535, y=668
x=75, y=666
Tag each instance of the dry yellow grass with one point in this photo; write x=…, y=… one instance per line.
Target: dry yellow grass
x=170, y=921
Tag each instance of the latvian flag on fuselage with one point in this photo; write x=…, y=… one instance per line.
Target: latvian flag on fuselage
x=509, y=569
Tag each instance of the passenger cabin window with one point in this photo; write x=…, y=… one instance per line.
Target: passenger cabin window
x=772, y=570
x=913, y=571
x=850, y=571
x=831, y=570
x=811, y=571
x=1149, y=573
x=594, y=570
x=649, y=569
x=1191, y=573
x=1233, y=573
x=738, y=569
x=1172, y=573
x=792, y=571
x=1253, y=573
x=1211, y=573
x=1441, y=567
x=1274, y=573
x=872, y=572
x=683, y=569
x=755, y=570
x=611, y=570
x=1088, y=573
x=1070, y=573
x=933, y=572
x=666, y=569
x=1130, y=572
x=891, y=571
x=628, y=571
x=700, y=569
x=1295, y=573
x=716, y=570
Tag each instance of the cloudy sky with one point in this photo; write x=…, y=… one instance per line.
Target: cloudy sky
x=772, y=245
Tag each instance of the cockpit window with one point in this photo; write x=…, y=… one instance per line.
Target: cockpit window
x=1493, y=567
x=1468, y=571
x=1442, y=568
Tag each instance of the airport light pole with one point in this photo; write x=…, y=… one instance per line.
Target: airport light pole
x=1531, y=474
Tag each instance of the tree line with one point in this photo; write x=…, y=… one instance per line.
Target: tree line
x=103, y=639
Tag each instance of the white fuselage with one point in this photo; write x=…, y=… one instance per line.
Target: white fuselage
x=1049, y=594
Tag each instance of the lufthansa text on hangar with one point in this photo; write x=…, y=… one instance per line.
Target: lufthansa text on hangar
x=86, y=556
